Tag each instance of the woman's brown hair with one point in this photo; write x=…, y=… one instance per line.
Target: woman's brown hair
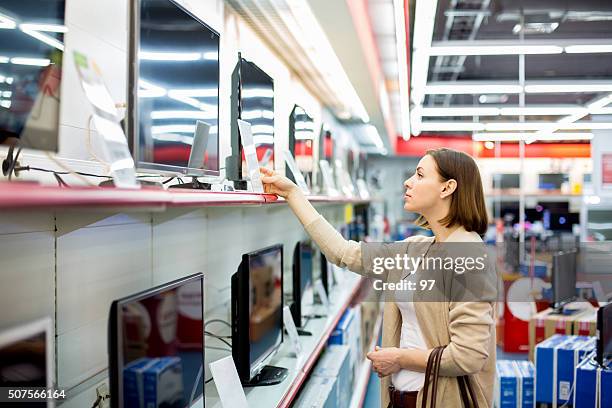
x=467, y=206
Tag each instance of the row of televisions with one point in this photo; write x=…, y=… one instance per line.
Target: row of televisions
x=156, y=337
x=173, y=91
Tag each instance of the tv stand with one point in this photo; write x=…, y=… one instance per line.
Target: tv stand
x=269, y=375
x=193, y=185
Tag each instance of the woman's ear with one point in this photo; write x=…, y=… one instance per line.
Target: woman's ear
x=449, y=188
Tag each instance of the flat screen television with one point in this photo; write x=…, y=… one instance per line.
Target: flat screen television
x=302, y=281
x=563, y=278
x=301, y=140
x=506, y=180
x=257, y=316
x=252, y=100
x=173, y=84
x=31, y=54
x=156, y=344
x=604, y=335
x=552, y=181
x=26, y=357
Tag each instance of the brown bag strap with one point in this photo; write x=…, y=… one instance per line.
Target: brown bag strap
x=464, y=383
x=433, y=369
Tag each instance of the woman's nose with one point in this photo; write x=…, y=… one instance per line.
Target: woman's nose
x=407, y=183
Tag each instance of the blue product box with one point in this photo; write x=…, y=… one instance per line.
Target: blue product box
x=163, y=383
x=555, y=361
x=514, y=386
x=335, y=364
x=526, y=369
x=593, y=385
x=133, y=391
x=341, y=333
x=539, y=269
x=319, y=392
x=506, y=385
x=568, y=357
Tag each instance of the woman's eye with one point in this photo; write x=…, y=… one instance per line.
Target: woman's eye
x=419, y=175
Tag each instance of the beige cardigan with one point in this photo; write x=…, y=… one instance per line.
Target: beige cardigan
x=467, y=328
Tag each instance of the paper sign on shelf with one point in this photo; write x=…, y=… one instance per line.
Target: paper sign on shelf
x=322, y=294
x=328, y=181
x=250, y=154
x=297, y=174
x=106, y=121
x=228, y=383
x=292, y=331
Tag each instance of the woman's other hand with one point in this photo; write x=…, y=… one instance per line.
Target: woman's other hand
x=274, y=183
x=385, y=361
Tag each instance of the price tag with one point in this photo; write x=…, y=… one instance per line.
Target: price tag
x=297, y=174
x=292, y=331
x=228, y=383
x=248, y=146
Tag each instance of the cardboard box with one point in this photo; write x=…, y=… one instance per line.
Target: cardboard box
x=319, y=392
x=163, y=383
x=556, y=359
x=586, y=324
x=593, y=385
x=335, y=364
x=514, y=386
x=546, y=323
x=133, y=391
x=348, y=332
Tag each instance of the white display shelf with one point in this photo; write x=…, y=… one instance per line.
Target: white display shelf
x=362, y=379
x=283, y=394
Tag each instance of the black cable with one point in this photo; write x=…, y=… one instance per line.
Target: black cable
x=217, y=321
x=168, y=180
x=219, y=348
x=217, y=335
x=222, y=340
x=63, y=173
x=60, y=181
x=209, y=380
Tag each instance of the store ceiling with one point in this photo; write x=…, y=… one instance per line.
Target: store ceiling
x=499, y=23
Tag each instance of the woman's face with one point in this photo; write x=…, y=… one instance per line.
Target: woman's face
x=424, y=188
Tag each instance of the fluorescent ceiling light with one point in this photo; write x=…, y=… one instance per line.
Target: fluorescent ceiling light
x=542, y=110
x=50, y=28
x=257, y=114
x=451, y=126
x=567, y=88
x=7, y=94
x=494, y=50
x=468, y=89
x=257, y=93
x=374, y=136
x=513, y=137
x=169, y=56
x=9, y=80
x=5, y=104
x=47, y=39
x=38, y=62
x=183, y=114
x=7, y=23
x=4, y=60
x=588, y=49
x=600, y=102
x=515, y=125
x=263, y=138
x=195, y=93
x=210, y=56
x=150, y=90
x=459, y=111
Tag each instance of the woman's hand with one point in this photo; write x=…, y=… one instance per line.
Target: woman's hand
x=385, y=361
x=274, y=183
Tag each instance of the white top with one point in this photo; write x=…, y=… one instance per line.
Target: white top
x=411, y=337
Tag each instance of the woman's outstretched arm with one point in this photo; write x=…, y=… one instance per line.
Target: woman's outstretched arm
x=337, y=250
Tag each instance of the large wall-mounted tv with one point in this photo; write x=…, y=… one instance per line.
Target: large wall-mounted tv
x=173, y=84
x=31, y=53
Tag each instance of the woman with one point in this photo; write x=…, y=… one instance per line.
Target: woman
x=446, y=190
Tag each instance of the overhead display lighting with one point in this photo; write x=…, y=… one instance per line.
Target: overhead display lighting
x=469, y=50
x=514, y=137
x=588, y=49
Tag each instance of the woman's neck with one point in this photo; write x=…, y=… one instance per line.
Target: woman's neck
x=441, y=232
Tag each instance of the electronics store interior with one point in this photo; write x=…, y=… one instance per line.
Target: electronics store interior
x=200, y=202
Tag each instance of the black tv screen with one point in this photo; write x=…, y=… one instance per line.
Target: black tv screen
x=552, y=181
x=302, y=281
x=257, y=310
x=506, y=180
x=26, y=355
x=156, y=344
x=257, y=108
x=301, y=138
x=604, y=334
x=174, y=83
x=31, y=53
x=563, y=277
